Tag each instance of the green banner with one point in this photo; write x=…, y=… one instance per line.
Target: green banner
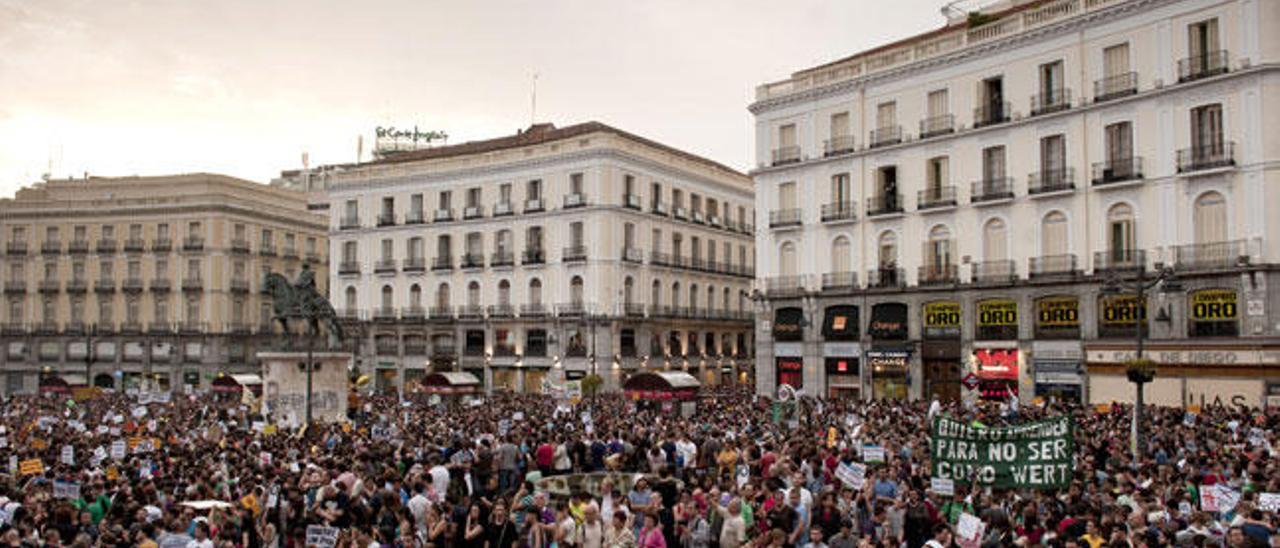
x=1034, y=455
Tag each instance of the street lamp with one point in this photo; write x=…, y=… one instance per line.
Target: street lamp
x=1138, y=374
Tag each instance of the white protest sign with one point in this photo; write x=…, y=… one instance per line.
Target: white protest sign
x=4, y=442
x=321, y=536
x=744, y=475
x=68, y=455
x=872, y=453
x=969, y=530
x=1218, y=498
x=13, y=465
x=99, y=455
x=139, y=412
x=517, y=416
x=853, y=475
x=119, y=449
x=943, y=486
x=66, y=489
x=504, y=426
x=1269, y=502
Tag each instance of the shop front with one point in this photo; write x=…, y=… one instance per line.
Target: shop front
x=940, y=350
x=889, y=358
x=788, y=348
x=841, y=353
x=1057, y=370
x=1120, y=315
x=997, y=372
x=1213, y=313
x=1234, y=375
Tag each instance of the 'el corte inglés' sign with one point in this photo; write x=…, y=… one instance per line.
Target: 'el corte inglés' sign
x=1034, y=455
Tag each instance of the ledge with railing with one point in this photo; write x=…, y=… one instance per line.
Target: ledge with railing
x=779, y=287
x=1115, y=87
x=105, y=285
x=533, y=256
x=413, y=313
x=837, y=281
x=348, y=223
x=1115, y=170
x=679, y=212
x=472, y=260
x=414, y=218
x=658, y=208
x=631, y=201
x=991, y=114
x=1051, y=180
x=1210, y=256
x=937, y=274
x=239, y=245
x=1050, y=100
x=632, y=254
x=994, y=272
x=131, y=285
x=442, y=263
x=990, y=190
x=387, y=218
x=160, y=285
x=785, y=155
x=936, y=197
x=470, y=311
x=1207, y=64
x=501, y=311
x=384, y=266
x=534, y=205
x=440, y=312
x=780, y=218
x=502, y=258
x=837, y=145
x=533, y=310
x=1214, y=155
x=885, y=136
x=502, y=209
x=886, y=277
x=839, y=211
x=77, y=285
x=106, y=246
x=267, y=249
x=16, y=248
x=1052, y=265
x=443, y=215
x=192, y=243
x=574, y=254
x=386, y=348
x=161, y=245
x=348, y=268
x=415, y=349
x=884, y=204
x=52, y=286
x=51, y=248
x=472, y=212
x=78, y=247
x=192, y=283
x=15, y=286
x=1119, y=260
x=575, y=199
x=934, y=126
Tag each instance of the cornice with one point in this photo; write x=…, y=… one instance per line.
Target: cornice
x=1019, y=39
x=195, y=209
x=345, y=189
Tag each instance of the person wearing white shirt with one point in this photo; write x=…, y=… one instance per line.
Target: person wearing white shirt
x=688, y=452
x=439, y=481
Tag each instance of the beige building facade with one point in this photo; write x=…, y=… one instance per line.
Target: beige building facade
x=156, y=281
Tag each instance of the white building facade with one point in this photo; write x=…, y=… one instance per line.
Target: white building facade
x=977, y=187
x=547, y=255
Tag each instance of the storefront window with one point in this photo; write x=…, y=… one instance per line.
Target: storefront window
x=997, y=371
x=840, y=323
x=791, y=372
x=788, y=324
x=942, y=320
x=627, y=343
x=535, y=343
x=1214, y=313
x=997, y=320
x=1058, y=317
x=1120, y=316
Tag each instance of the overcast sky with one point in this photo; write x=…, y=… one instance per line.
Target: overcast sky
x=243, y=87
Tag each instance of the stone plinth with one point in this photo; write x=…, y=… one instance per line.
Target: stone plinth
x=284, y=386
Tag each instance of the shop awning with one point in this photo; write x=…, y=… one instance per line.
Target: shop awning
x=662, y=385
x=450, y=382
x=54, y=384
x=237, y=383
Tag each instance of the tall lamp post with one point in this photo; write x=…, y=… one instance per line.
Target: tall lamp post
x=1139, y=374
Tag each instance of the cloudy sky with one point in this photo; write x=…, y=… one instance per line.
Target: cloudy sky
x=245, y=86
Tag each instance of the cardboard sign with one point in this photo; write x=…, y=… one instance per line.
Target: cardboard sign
x=31, y=467
x=39, y=444
x=119, y=449
x=321, y=536
x=872, y=453
x=66, y=489
x=969, y=530
x=943, y=486
x=1269, y=502
x=68, y=455
x=853, y=475
x=1218, y=498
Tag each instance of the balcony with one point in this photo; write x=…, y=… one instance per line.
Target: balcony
x=50, y=286
x=414, y=218
x=782, y=218
x=313, y=257
x=1119, y=260
x=415, y=348
x=501, y=311
x=13, y=327
x=134, y=245
x=414, y=264
x=267, y=249
x=74, y=327
x=192, y=243
x=838, y=212
x=786, y=155
x=191, y=327
x=160, y=285
x=78, y=247
x=839, y=281
x=239, y=245
x=349, y=223
x=106, y=246
x=936, y=197
x=571, y=310
x=991, y=114
x=131, y=285
x=633, y=310
x=239, y=285
x=290, y=254
x=386, y=348
x=350, y=315
x=105, y=285
x=1048, y=266
x=161, y=245
x=444, y=351
x=713, y=220
x=995, y=272
x=1210, y=156
x=47, y=327
x=658, y=208
x=632, y=255
x=384, y=266
x=386, y=218
x=502, y=208
x=934, y=126
x=440, y=313
x=1204, y=65
x=413, y=314
x=501, y=258
x=443, y=215
x=51, y=248
x=990, y=190
x=783, y=287
x=1115, y=87
x=1051, y=180
x=886, y=204
x=937, y=274
x=679, y=212
x=472, y=212
x=659, y=311
x=1117, y=170
x=533, y=310
x=15, y=286
x=472, y=260
x=1210, y=256
x=385, y=314
x=835, y=146
x=77, y=285
x=658, y=258
x=239, y=328
x=130, y=327
x=192, y=283
x=533, y=256
x=574, y=254
x=16, y=248
x=442, y=264
x=535, y=205
x=1050, y=101
x=575, y=199
x=346, y=268
x=631, y=201
x=698, y=218
x=885, y=136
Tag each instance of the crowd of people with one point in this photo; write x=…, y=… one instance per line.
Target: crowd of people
x=741, y=470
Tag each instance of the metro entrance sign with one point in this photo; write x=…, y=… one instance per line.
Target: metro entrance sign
x=970, y=381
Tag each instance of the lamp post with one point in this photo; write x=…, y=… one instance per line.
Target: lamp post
x=1139, y=285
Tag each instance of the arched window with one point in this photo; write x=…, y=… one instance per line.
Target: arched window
x=1053, y=235
x=994, y=241
x=1121, y=239
x=726, y=298
x=711, y=298
x=1210, y=218
x=575, y=291
x=628, y=286
x=535, y=291
x=388, y=296
x=787, y=259
x=473, y=294
x=693, y=296
x=887, y=249
x=742, y=301
x=504, y=293
x=415, y=296
x=351, y=299
x=675, y=294
x=503, y=242
x=442, y=296
x=840, y=261
x=414, y=249
x=938, y=248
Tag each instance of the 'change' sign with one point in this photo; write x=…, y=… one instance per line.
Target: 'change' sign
x=1034, y=455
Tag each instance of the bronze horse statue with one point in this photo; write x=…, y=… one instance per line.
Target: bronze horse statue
x=301, y=301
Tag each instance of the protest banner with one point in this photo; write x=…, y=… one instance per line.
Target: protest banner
x=872, y=453
x=853, y=475
x=321, y=536
x=119, y=449
x=943, y=486
x=1218, y=498
x=68, y=455
x=31, y=467
x=1269, y=502
x=1034, y=455
x=66, y=490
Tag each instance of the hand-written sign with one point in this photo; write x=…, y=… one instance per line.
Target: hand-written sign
x=1269, y=502
x=321, y=536
x=66, y=489
x=1032, y=455
x=854, y=475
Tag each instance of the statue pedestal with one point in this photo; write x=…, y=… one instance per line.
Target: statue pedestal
x=284, y=386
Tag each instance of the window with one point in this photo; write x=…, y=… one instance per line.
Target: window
x=504, y=193
x=535, y=343
x=388, y=206
x=1206, y=131
x=415, y=206
x=1115, y=61
x=937, y=104
x=77, y=309
x=106, y=270
x=1210, y=218
x=15, y=310
x=446, y=199
x=444, y=247
x=290, y=242
x=787, y=259
x=77, y=271
x=239, y=232
x=79, y=233
x=840, y=193
x=351, y=299
x=695, y=248
x=655, y=195
x=51, y=271
x=533, y=238
x=677, y=247
x=237, y=310
x=348, y=252
x=677, y=198
x=1053, y=158
x=887, y=115
x=937, y=176
x=1202, y=39
x=675, y=294
x=575, y=291
x=938, y=249
x=994, y=241
x=1119, y=143
x=711, y=252
x=134, y=269
x=1121, y=238
x=442, y=296
x=628, y=235
x=388, y=249
x=693, y=296
x=473, y=197
x=888, y=249
x=1051, y=92
x=352, y=208
x=655, y=294
x=504, y=293
x=991, y=93
x=162, y=269
x=51, y=233
x=503, y=242
x=535, y=291
x=787, y=195
x=840, y=255
x=656, y=240
x=109, y=232
x=1053, y=234
x=193, y=310
x=993, y=169
x=575, y=234
x=575, y=183
x=415, y=297
x=49, y=310
x=473, y=294
x=787, y=136
x=475, y=244
x=268, y=239
x=628, y=185
x=193, y=269
x=162, y=231
x=887, y=183
x=533, y=190
x=628, y=288
x=839, y=125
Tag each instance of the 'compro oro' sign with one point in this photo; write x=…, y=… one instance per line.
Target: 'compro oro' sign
x=1034, y=455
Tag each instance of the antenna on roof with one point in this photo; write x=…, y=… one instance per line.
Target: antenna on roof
x=533, y=111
